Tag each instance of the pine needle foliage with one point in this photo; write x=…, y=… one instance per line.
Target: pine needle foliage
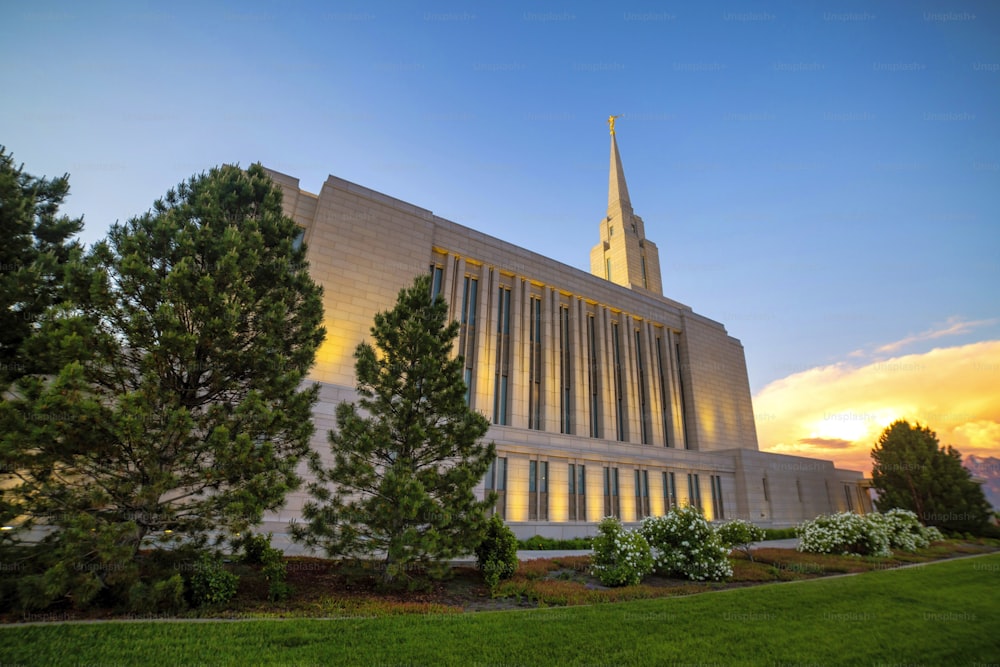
x=407, y=455
x=912, y=471
x=178, y=411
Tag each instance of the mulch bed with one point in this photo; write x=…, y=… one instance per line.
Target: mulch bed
x=324, y=588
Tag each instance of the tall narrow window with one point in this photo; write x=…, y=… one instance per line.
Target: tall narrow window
x=669, y=490
x=717, y=507
x=437, y=277
x=608, y=269
x=577, y=492
x=496, y=480
x=300, y=237
x=661, y=376
x=641, y=494
x=532, y=490
x=543, y=490
x=680, y=390
x=616, y=350
x=467, y=334
x=640, y=380
x=694, y=490
x=645, y=283
x=500, y=385
x=612, y=506
x=535, y=364
x=565, y=373
x=798, y=488
x=850, y=501
x=538, y=490
x=767, y=491
x=594, y=380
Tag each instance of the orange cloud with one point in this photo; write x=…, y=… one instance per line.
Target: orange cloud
x=837, y=412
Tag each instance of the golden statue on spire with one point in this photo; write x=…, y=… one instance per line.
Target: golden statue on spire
x=611, y=122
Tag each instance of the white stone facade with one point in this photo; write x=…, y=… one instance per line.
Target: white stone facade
x=576, y=373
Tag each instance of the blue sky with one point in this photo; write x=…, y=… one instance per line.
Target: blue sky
x=822, y=177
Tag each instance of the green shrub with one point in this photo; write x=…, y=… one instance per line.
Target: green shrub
x=621, y=557
x=740, y=534
x=539, y=543
x=211, y=583
x=780, y=533
x=257, y=550
x=989, y=531
x=496, y=555
x=275, y=571
x=254, y=546
x=685, y=545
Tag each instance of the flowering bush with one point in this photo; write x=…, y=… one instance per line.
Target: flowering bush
x=740, y=534
x=932, y=534
x=905, y=530
x=684, y=544
x=844, y=533
x=869, y=535
x=621, y=557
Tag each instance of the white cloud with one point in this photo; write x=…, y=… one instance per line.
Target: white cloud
x=954, y=326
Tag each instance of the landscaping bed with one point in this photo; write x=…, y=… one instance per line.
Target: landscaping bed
x=328, y=589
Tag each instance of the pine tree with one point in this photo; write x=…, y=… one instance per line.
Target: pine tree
x=177, y=412
x=407, y=456
x=35, y=249
x=912, y=471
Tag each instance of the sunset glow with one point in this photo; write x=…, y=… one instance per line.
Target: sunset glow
x=837, y=412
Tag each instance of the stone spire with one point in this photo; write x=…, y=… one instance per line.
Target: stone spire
x=617, y=189
x=624, y=255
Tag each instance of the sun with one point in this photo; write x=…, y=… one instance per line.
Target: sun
x=859, y=427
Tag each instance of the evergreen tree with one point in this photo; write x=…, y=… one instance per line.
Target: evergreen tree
x=405, y=463
x=177, y=411
x=36, y=247
x=912, y=471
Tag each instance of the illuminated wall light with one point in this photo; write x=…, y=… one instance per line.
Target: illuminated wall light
x=706, y=426
x=517, y=504
x=517, y=489
x=335, y=357
x=485, y=376
x=595, y=494
x=558, y=491
x=626, y=496
x=656, y=505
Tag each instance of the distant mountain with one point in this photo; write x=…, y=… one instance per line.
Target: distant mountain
x=986, y=468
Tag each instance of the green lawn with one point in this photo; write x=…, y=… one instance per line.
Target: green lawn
x=945, y=613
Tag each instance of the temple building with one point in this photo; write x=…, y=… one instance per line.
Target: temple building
x=604, y=396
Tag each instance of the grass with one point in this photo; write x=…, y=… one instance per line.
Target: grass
x=939, y=613
x=565, y=581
